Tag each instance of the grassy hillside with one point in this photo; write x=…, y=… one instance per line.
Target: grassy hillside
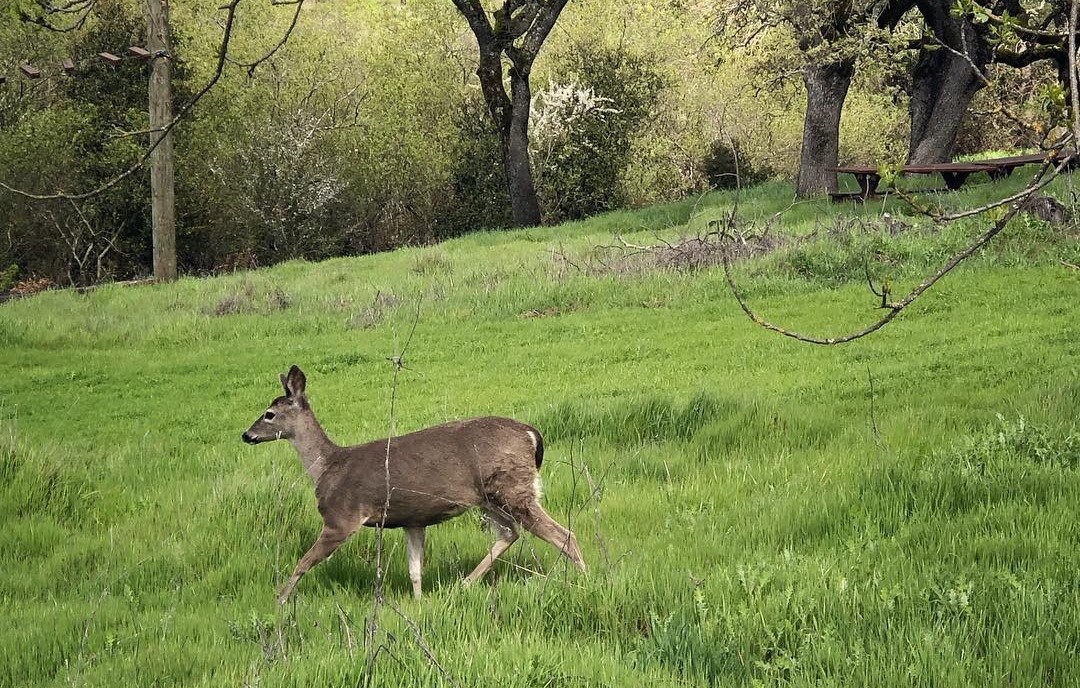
x=750, y=510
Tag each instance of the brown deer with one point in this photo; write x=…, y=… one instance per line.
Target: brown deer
x=415, y=480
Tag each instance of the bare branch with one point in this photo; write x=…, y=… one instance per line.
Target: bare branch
x=1045, y=174
x=251, y=66
x=894, y=308
x=1073, y=93
x=81, y=8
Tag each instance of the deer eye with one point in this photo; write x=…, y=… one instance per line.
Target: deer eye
x=269, y=415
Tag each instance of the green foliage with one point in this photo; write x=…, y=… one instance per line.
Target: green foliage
x=581, y=171
x=726, y=166
x=478, y=192
x=970, y=9
x=8, y=276
x=1052, y=105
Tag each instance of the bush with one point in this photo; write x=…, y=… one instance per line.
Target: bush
x=584, y=125
x=725, y=166
x=478, y=196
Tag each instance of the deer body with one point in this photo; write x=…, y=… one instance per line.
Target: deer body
x=434, y=474
x=430, y=476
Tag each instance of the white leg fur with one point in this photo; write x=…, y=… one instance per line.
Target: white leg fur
x=416, y=557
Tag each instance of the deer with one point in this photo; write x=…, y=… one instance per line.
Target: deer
x=415, y=480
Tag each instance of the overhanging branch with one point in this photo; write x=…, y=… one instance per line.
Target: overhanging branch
x=895, y=308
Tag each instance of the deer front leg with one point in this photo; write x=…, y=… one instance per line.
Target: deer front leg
x=329, y=540
x=416, y=557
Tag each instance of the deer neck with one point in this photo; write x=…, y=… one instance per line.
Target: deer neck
x=313, y=446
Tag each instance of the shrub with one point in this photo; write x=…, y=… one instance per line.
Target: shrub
x=478, y=197
x=584, y=125
x=725, y=166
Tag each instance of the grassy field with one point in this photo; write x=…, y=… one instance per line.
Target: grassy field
x=897, y=511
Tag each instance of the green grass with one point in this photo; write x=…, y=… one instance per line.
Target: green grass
x=743, y=520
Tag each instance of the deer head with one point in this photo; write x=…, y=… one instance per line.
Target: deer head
x=281, y=420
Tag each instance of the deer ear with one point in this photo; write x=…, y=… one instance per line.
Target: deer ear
x=294, y=383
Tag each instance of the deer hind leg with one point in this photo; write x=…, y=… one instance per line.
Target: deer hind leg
x=539, y=523
x=416, y=557
x=329, y=540
x=506, y=534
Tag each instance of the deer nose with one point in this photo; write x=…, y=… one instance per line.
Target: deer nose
x=248, y=438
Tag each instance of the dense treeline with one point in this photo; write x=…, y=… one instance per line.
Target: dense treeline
x=368, y=129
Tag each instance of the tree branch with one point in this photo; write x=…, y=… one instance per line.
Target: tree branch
x=520, y=23
x=894, y=308
x=1074, y=95
x=541, y=27
x=82, y=8
x=251, y=66
x=1028, y=57
x=474, y=13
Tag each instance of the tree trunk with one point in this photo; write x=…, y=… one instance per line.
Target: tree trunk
x=944, y=84
x=519, y=31
x=162, y=198
x=511, y=115
x=826, y=89
x=943, y=87
x=524, y=205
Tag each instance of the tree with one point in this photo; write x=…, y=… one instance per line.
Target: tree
x=1022, y=39
x=516, y=35
x=830, y=35
x=948, y=73
x=967, y=39
x=72, y=17
x=962, y=41
x=827, y=78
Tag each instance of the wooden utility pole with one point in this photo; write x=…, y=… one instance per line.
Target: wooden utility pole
x=162, y=195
